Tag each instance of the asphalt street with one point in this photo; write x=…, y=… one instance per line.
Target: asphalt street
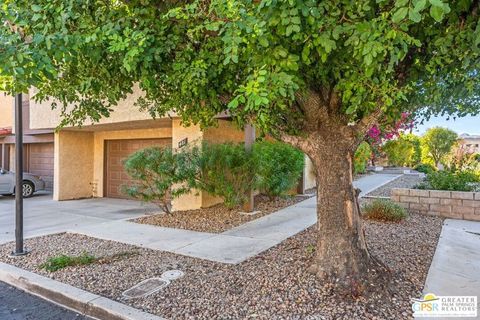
x=18, y=305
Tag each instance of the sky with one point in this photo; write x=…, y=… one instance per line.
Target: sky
x=470, y=125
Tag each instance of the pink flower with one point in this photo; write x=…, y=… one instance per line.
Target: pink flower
x=374, y=132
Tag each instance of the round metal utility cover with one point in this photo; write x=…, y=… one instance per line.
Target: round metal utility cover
x=172, y=274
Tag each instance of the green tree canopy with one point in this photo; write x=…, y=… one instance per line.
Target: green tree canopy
x=251, y=57
x=437, y=143
x=417, y=149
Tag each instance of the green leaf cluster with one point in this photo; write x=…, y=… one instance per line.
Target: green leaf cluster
x=452, y=181
x=250, y=58
x=400, y=152
x=278, y=167
x=230, y=171
x=225, y=170
x=384, y=210
x=62, y=261
x=436, y=144
x=161, y=175
x=361, y=157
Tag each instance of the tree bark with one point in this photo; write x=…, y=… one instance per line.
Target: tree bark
x=342, y=255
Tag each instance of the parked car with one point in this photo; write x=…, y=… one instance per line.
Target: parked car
x=31, y=183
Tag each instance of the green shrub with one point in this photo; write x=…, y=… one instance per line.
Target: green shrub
x=425, y=168
x=399, y=151
x=161, y=175
x=452, y=181
x=278, y=167
x=361, y=157
x=461, y=159
x=384, y=210
x=63, y=261
x=227, y=171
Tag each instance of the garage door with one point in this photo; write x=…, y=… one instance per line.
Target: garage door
x=40, y=162
x=116, y=151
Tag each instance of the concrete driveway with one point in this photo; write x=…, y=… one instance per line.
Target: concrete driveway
x=43, y=216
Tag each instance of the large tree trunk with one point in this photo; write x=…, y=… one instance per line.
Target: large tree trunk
x=330, y=140
x=342, y=257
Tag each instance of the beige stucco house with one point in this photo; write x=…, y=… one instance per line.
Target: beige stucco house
x=87, y=160
x=471, y=142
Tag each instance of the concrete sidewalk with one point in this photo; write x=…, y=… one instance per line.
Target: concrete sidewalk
x=455, y=268
x=371, y=182
x=233, y=246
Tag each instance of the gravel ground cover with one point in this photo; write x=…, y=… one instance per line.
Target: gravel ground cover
x=272, y=285
x=404, y=181
x=219, y=218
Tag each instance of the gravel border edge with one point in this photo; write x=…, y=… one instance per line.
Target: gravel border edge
x=381, y=185
x=78, y=300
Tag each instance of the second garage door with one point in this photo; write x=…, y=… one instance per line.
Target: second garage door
x=40, y=162
x=115, y=152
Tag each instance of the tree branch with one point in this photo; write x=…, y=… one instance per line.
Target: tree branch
x=367, y=122
x=295, y=141
x=313, y=106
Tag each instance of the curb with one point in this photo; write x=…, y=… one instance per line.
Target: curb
x=78, y=300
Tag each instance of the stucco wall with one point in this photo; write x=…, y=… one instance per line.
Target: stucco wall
x=193, y=200
x=43, y=117
x=6, y=111
x=226, y=131
x=310, y=180
x=99, y=149
x=73, y=170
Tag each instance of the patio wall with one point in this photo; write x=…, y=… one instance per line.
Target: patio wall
x=448, y=204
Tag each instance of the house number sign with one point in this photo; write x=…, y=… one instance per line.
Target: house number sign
x=183, y=143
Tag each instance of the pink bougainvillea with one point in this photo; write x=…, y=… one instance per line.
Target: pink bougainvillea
x=378, y=135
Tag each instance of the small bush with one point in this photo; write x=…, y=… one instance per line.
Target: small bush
x=451, y=181
x=384, y=210
x=59, y=262
x=227, y=171
x=361, y=157
x=425, y=168
x=278, y=167
x=161, y=175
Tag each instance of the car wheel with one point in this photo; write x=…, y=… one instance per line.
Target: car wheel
x=27, y=189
